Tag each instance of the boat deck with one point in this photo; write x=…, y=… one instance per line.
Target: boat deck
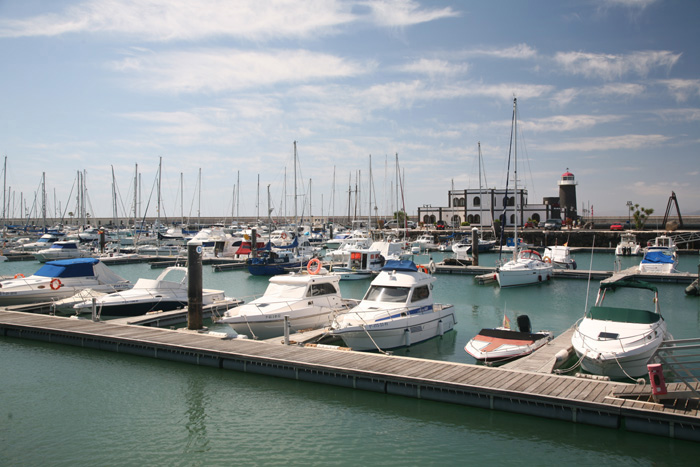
x=559, y=397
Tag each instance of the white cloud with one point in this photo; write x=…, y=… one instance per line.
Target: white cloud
x=679, y=115
x=612, y=66
x=216, y=70
x=682, y=89
x=632, y=4
x=400, y=13
x=606, y=144
x=561, y=123
x=165, y=20
x=434, y=67
x=520, y=51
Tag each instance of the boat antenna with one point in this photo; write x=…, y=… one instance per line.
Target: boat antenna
x=590, y=269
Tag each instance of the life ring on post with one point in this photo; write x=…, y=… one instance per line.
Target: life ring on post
x=423, y=268
x=18, y=275
x=547, y=259
x=55, y=283
x=283, y=235
x=432, y=267
x=314, y=266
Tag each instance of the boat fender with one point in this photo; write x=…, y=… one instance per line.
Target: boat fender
x=431, y=267
x=314, y=266
x=539, y=278
x=55, y=283
x=18, y=275
x=547, y=259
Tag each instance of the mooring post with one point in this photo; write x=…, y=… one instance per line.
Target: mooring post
x=254, y=243
x=286, y=329
x=102, y=240
x=94, y=309
x=475, y=246
x=194, y=285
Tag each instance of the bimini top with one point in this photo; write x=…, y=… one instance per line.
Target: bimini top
x=395, y=265
x=629, y=283
x=77, y=267
x=658, y=257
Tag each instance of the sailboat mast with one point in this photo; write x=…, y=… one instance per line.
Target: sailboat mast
x=296, y=220
x=515, y=175
x=481, y=195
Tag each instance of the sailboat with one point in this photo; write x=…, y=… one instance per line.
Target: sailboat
x=527, y=266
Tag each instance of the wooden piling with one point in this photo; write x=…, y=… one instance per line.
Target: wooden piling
x=194, y=285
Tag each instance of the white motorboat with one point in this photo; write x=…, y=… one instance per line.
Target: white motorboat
x=362, y=264
x=528, y=268
x=162, y=294
x=559, y=256
x=628, y=245
x=56, y=280
x=61, y=250
x=45, y=241
x=618, y=342
x=309, y=300
x=426, y=242
x=660, y=256
x=503, y=343
x=397, y=311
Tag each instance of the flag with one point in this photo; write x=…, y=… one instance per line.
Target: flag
x=506, y=321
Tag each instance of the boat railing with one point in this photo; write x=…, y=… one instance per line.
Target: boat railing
x=681, y=358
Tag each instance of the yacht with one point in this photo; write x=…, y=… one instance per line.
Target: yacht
x=61, y=250
x=628, y=245
x=61, y=279
x=660, y=256
x=397, y=311
x=559, y=256
x=309, y=300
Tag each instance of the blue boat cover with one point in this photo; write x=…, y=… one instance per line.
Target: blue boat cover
x=658, y=257
x=77, y=267
x=395, y=265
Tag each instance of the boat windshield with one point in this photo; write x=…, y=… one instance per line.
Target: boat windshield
x=377, y=293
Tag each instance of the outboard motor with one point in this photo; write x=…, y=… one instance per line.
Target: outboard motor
x=524, y=324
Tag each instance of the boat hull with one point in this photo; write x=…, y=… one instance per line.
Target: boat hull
x=518, y=277
x=397, y=333
x=271, y=326
x=493, y=345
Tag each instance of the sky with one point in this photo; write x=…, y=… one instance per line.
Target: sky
x=608, y=89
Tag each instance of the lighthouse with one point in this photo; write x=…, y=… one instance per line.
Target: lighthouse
x=567, y=195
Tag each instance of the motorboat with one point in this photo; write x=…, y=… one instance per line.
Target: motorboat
x=61, y=250
x=42, y=243
x=503, y=343
x=426, y=242
x=272, y=261
x=397, y=311
x=618, y=342
x=528, y=268
x=660, y=256
x=628, y=245
x=362, y=264
x=309, y=301
x=559, y=256
x=463, y=248
x=162, y=294
x=60, y=279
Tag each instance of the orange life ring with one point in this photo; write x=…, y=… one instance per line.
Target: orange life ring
x=283, y=236
x=18, y=275
x=423, y=268
x=55, y=283
x=314, y=266
x=547, y=259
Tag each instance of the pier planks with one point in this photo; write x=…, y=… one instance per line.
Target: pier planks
x=561, y=397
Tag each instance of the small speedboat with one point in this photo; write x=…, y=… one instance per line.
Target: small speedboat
x=309, y=300
x=628, y=245
x=162, y=294
x=619, y=341
x=503, y=343
x=559, y=256
x=61, y=250
x=660, y=256
x=362, y=264
x=527, y=268
x=61, y=279
x=397, y=311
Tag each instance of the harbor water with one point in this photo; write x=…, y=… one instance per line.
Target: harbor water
x=64, y=405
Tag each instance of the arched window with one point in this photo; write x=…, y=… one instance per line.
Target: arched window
x=536, y=217
x=426, y=219
x=477, y=201
x=512, y=219
x=432, y=219
x=477, y=219
x=456, y=220
x=470, y=218
x=462, y=202
x=511, y=201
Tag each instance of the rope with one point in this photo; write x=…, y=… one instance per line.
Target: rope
x=370, y=338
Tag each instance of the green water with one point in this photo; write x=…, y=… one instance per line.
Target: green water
x=63, y=405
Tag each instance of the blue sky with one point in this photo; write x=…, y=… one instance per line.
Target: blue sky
x=609, y=89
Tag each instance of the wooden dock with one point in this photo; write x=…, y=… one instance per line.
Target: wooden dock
x=558, y=397
x=546, y=358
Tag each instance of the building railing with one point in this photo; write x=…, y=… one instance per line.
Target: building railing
x=680, y=358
